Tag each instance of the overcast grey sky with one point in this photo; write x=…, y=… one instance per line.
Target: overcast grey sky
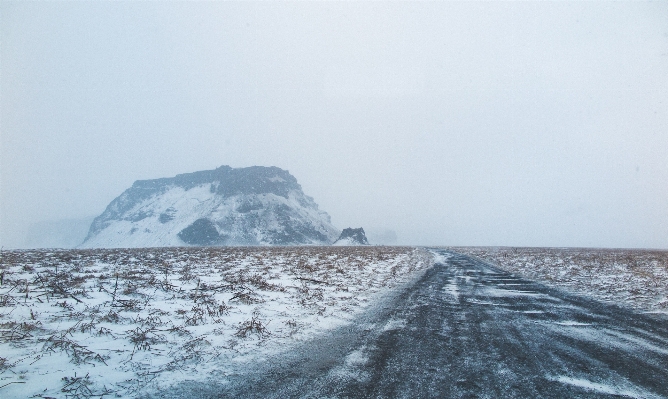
x=519, y=123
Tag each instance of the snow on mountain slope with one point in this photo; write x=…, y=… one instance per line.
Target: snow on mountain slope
x=226, y=206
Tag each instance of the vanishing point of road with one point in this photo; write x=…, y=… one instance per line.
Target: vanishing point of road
x=466, y=329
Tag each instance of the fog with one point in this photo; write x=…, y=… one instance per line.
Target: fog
x=519, y=124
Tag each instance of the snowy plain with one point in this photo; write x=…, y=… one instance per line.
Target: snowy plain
x=122, y=323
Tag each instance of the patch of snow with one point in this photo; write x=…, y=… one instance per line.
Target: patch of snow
x=611, y=338
x=353, y=366
x=440, y=257
x=452, y=292
x=571, y=323
x=628, y=390
x=479, y=302
x=357, y=358
x=394, y=324
x=501, y=293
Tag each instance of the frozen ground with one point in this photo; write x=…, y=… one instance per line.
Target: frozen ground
x=121, y=323
x=634, y=278
x=466, y=329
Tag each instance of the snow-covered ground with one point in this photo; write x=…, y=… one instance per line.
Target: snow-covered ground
x=634, y=278
x=118, y=323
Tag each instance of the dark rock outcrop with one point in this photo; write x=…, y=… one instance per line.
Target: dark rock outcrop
x=352, y=236
x=201, y=232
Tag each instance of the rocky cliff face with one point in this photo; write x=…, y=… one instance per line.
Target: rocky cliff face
x=352, y=236
x=225, y=206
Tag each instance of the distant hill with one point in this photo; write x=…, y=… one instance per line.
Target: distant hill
x=225, y=206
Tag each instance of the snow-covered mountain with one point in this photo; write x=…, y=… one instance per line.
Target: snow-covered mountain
x=225, y=206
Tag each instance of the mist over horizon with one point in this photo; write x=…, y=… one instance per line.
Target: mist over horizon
x=481, y=124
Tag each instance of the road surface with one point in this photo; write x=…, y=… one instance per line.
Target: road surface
x=468, y=330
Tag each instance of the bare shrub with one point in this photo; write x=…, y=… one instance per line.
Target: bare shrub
x=7, y=300
x=246, y=297
x=13, y=331
x=195, y=316
x=252, y=326
x=81, y=388
x=144, y=337
x=79, y=354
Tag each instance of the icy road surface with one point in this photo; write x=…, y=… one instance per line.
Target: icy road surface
x=468, y=330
